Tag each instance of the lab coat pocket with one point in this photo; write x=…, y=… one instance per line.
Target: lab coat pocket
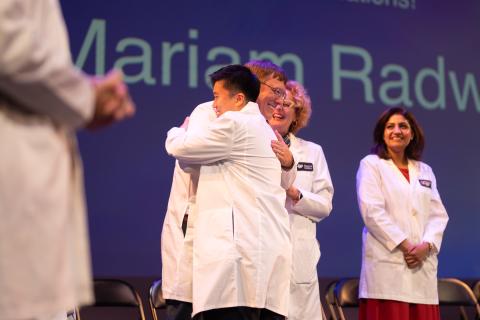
x=306, y=254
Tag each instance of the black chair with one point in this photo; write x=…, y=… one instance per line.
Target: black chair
x=453, y=292
x=330, y=300
x=117, y=293
x=476, y=292
x=346, y=295
x=324, y=316
x=155, y=298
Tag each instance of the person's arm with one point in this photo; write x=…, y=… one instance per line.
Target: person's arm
x=435, y=226
x=202, y=147
x=199, y=120
x=36, y=70
x=437, y=219
x=372, y=207
x=287, y=161
x=288, y=176
x=315, y=202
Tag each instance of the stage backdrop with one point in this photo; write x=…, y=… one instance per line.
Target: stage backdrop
x=356, y=58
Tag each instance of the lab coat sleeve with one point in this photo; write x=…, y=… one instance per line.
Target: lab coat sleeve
x=316, y=203
x=372, y=206
x=200, y=118
x=202, y=147
x=288, y=176
x=36, y=70
x=437, y=219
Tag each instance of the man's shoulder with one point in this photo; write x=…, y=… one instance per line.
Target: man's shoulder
x=204, y=110
x=204, y=107
x=247, y=113
x=251, y=122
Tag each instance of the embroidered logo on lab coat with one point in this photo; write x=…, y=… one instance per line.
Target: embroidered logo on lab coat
x=425, y=183
x=305, y=166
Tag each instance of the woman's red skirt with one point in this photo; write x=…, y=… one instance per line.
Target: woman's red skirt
x=378, y=309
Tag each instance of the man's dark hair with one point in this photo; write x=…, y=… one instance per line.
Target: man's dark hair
x=238, y=78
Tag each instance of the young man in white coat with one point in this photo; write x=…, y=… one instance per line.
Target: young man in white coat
x=44, y=250
x=177, y=231
x=242, y=251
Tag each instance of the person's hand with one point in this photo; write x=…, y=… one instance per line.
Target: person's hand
x=112, y=101
x=417, y=255
x=406, y=247
x=282, y=151
x=293, y=193
x=185, y=123
x=411, y=261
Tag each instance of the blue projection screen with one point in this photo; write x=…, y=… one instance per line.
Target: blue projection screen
x=356, y=58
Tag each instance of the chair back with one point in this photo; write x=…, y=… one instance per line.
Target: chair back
x=454, y=292
x=330, y=300
x=117, y=293
x=476, y=292
x=156, y=299
x=346, y=295
x=346, y=292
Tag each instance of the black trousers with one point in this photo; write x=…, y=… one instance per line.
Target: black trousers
x=178, y=310
x=238, y=313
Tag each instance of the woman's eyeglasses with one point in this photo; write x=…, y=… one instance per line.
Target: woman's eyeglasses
x=287, y=104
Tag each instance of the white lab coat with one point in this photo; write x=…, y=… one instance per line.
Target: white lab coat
x=44, y=250
x=177, y=249
x=314, y=182
x=242, y=250
x=393, y=210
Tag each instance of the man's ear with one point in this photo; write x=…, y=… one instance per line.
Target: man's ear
x=240, y=99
